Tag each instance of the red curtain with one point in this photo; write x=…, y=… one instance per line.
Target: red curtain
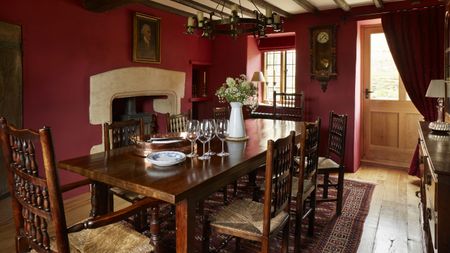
x=416, y=42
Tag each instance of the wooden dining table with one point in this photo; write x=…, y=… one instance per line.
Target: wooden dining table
x=184, y=184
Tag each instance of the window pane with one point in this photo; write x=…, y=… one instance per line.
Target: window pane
x=384, y=77
x=274, y=74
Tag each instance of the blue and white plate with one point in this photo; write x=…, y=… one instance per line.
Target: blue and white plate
x=166, y=158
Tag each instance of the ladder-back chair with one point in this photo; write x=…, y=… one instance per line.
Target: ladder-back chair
x=288, y=106
x=121, y=134
x=306, y=178
x=261, y=221
x=333, y=162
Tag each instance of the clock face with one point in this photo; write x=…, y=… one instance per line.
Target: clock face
x=323, y=37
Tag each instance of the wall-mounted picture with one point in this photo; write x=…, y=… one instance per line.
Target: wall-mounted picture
x=146, y=39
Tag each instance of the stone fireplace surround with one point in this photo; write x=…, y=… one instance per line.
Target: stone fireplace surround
x=133, y=82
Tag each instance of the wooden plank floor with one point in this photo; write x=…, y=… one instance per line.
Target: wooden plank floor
x=392, y=224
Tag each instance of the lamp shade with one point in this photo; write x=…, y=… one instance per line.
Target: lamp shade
x=258, y=76
x=436, y=89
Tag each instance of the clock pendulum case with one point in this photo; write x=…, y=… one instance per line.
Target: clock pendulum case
x=323, y=54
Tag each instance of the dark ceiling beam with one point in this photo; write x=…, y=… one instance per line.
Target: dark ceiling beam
x=378, y=3
x=201, y=7
x=228, y=4
x=343, y=5
x=305, y=4
x=106, y=5
x=264, y=4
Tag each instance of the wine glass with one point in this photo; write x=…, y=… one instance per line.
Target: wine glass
x=192, y=128
x=205, y=134
x=213, y=126
x=222, y=133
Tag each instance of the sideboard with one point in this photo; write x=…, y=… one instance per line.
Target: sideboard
x=435, y=188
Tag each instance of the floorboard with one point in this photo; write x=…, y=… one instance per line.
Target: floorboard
x=392, y=224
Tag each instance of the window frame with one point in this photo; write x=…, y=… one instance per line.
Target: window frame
x=282, y=77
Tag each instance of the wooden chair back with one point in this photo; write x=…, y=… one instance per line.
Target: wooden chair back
x=177, y=123
x=121, y=133
x=221, y=112
x=309, y=148
x=36, y=200
x=279, y=168
x=337, y=131
x=288, y=106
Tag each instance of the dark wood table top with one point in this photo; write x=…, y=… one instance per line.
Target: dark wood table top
x=191, y=179
x=438, y=147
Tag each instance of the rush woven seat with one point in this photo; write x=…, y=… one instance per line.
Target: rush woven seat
x=246, y=217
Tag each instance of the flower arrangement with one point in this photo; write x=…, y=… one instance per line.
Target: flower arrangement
x=237, y=90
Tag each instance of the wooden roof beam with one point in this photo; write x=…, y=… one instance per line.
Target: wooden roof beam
x=201, y=7
x=264, y=4
x=378, y=3
x=305, y=4
x=343, y=5
x=228, y=4
x=106, y=5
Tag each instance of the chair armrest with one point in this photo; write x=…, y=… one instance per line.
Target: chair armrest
x=103, y=220
x=71, y=186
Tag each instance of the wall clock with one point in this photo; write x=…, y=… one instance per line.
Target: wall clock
x=323, y=54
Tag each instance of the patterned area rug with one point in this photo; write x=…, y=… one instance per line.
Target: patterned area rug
x=332, y=234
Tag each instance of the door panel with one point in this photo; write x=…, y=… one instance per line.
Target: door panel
x=389, y=118
x=10, y=83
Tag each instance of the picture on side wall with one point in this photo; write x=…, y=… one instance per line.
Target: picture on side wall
x=146, y=39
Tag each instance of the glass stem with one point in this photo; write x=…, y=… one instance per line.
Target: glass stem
x=192, y=148
x=204, y=149
x=223, y=151
x=209, y=146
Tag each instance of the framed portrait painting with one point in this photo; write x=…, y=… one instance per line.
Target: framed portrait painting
x=146, y=39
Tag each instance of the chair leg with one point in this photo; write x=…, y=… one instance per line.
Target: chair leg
x=140, y=221
x=237, y=247
x=312, y=215
x=206, y=233
x=252, y=185
x=326, y=178
x=285, y=244
x=340, y=192
x=225, y=194
x=265, y=245
x=155, y=228
x=110, y=201
x=235, y=188
x=298, y=223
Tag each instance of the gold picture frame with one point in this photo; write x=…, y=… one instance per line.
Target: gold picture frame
x=146, y=39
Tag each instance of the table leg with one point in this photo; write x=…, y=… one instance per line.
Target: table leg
x=99, y=199
x=185, y=224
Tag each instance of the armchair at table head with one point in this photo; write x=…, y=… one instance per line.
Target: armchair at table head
x=37, y=202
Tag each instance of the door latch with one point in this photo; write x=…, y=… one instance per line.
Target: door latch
x=367, y=93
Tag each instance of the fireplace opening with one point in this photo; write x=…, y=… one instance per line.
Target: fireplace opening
x=137, y=108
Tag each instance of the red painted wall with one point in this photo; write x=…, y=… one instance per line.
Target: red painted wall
x=340, y=95
x=64, y=44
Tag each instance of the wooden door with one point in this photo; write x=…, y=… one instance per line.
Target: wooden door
x=10, y=83
x=389, y=117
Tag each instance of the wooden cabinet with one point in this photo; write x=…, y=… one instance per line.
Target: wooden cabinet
x=435, y=188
